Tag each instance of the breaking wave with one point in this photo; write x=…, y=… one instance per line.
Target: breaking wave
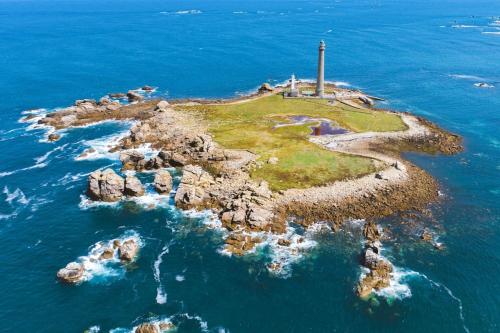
x=161, y=295
x=282, y=251
x=468, y=77
x=98, y=269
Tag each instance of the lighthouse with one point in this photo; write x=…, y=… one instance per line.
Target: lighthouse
x=320, y=81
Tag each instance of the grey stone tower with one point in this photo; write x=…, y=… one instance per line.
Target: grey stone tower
x=320, y=82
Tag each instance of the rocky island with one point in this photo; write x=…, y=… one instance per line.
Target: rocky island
x=257, y=161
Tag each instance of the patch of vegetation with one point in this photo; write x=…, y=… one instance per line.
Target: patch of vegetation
x=302, y=164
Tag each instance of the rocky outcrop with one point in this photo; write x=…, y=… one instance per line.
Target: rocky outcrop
x=147, y=328
x=265, y=87
x=251, y=207
x=105, y=185
x=128, y=250
x=426, y=236
x=72, y=273
x=132, y=160
x=162, y=106
x=133, y=187
x=379, y=268
x=371, y=232
x=163, y=182
x=89, y=111
x=238, y=243
x=192, y=191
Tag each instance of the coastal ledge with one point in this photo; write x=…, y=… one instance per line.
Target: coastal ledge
x=257, y=160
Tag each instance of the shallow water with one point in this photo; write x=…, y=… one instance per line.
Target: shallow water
x=423, y=57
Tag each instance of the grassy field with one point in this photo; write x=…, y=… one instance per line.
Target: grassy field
x=301, y=164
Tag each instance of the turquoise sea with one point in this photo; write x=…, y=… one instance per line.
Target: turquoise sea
x=422, y=56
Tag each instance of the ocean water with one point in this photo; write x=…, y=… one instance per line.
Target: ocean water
x=421, y=56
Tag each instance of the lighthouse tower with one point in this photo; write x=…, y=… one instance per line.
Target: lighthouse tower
x=320, y=82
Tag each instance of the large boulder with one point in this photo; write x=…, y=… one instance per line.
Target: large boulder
x=163, y=182
x=162, y=106
x=132, y=160
x=128, y=250
x=147, y=328
x=259, y=218
x=133, y=186
x=105, y=185
x=72, y=273
x=192, y=190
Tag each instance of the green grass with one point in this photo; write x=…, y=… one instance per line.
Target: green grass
x=301, y=163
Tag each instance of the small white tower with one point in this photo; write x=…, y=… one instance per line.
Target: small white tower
x=294, y=92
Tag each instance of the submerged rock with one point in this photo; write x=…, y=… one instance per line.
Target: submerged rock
x=163, y=182
x=128, y=250
x=105, y=185
x=117, y=95
x=72, y=273
x=426, y=236
x=133, y=187
x=54, y=137
x=147, y=88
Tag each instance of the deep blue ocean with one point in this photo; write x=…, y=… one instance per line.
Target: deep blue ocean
x=422, y=56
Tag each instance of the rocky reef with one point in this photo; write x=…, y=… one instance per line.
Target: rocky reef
x=123, y=251
x=379, y=268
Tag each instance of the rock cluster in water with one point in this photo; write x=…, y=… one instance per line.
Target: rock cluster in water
x=126, y=251
x=379, y=268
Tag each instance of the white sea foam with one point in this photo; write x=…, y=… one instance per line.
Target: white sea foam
x=239, y=12
x=398, y=287
x=35, y=166
x=69, y=178
x=94, y=329
x=87, y=203
x=7, y=216
x=17, y=196
x=450, y=293
x=161, y=295
x=100, y=148
x=187, y=12
x=179, y=278
x=464, y=26
x=280, y=257
x=483, y=85
x=468, y=77
x=491, y=32
x=97, y=268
